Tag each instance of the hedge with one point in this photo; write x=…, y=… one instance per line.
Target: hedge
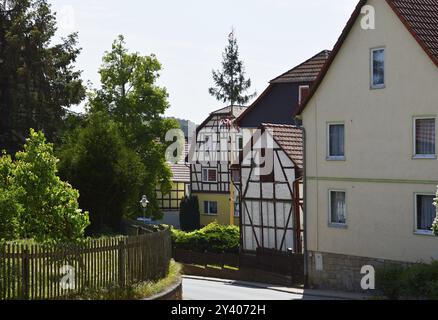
x=213, y=238
x=419, y=281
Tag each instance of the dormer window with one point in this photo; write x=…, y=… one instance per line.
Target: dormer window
x=303, y=93
x=378, y=68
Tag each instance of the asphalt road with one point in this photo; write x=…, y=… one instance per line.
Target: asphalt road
x=194, y=289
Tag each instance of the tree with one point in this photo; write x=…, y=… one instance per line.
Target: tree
x=189, y=216
x=37, y=79
x=230, y=82
x=133, y=100
x=109, y=175
x=34, y=199
x=10, y=209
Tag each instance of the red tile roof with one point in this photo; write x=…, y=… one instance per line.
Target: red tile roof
x=290, y=139
x=306, y=72
x=420, y=18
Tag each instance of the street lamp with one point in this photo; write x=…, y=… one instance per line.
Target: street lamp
x=144, y=203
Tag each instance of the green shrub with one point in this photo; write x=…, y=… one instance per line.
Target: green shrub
x=213, y=238
x=419, y=281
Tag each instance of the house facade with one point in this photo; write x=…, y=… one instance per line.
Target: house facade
x=371, y=169
x=272, y=162
x=271, y=215
x=211, y=157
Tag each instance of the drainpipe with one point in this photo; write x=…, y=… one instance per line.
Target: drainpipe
x=306, y=254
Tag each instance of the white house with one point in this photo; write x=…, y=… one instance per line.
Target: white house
x=371, y=168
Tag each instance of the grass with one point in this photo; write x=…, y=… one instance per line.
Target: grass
x=137, y=291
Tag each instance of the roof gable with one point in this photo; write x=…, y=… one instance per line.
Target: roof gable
x=304, y=73
x=290, y=139
x=420, y=17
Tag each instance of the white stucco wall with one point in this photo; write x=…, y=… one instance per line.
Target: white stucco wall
x=381, y=177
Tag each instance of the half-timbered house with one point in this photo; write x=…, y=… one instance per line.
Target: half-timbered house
x=271, y=204
x=211, y=157
x=271, y=216
x=170, y=202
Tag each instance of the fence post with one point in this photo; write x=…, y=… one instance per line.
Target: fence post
x=122, y=264
x=25, y=273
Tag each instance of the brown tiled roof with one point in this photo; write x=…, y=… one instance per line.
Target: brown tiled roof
x=420, y=18
x=290, y=139
x=306, y=72
x=180, y=170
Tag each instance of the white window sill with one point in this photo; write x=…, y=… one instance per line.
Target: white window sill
x=335, y=158
x=338, y=226
x=424, y=233
x=424, y=157
x=210, y=214
x=377, y=87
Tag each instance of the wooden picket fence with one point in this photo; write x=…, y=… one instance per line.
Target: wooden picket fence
x=63, y=271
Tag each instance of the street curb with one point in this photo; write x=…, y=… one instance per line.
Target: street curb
x=173, y=292
x=288, y=290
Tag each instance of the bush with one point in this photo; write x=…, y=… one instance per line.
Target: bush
x=213, y=238
x=34, y=202
x=190, y=217
x=419, y=281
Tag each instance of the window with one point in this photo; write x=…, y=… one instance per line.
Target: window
x=336, y=137
x=377, y=68
x=210, y=208
x=209, y=175
x=337, y=208
x=424, y=135
x=425, y=213
x=236, y=209
x=303, y=93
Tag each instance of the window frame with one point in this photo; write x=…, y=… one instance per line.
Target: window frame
x=372, y=85
x=328, y=156
x=414, y=138
x=208, y=202
x=335, y=224
x=416, y=230
x=300, y=97
x=208, y=181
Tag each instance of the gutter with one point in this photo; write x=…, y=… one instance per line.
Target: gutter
x=306, y=253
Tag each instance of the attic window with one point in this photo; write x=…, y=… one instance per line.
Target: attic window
x=378, y=68
x=303, y=93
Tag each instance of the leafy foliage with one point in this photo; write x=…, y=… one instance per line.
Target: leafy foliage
x=35, y=203
x=37, y=77
x=97, y=161
x=230, y=82
x=419, y=281
x=190, y=217
x=213, y=238
x=131, y=98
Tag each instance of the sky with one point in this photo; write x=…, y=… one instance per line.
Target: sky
x=189, y=36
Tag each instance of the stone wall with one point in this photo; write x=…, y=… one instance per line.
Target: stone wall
x=339, y=272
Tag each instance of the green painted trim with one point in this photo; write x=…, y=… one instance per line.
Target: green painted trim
x=396, y=181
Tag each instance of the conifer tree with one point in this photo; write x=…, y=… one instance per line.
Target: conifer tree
x=230, y=82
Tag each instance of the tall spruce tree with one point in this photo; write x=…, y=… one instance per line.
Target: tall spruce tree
x=230, y=82
x=38, y=82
